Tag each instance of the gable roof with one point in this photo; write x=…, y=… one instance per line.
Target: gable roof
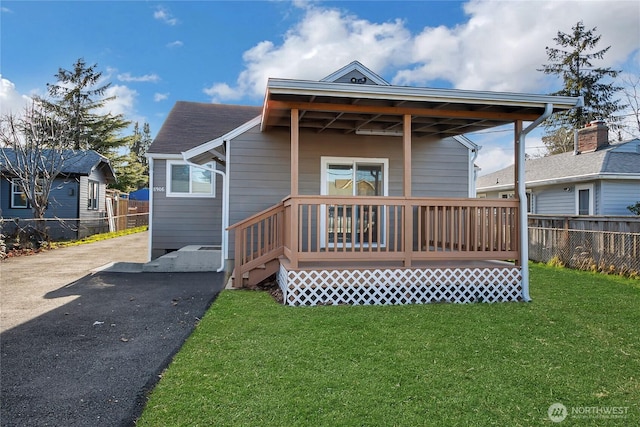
x=190, y=124
x=355, y=72
x=75, y=162
x=614, y=160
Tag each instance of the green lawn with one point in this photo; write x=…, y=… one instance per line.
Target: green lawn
x=252, y=362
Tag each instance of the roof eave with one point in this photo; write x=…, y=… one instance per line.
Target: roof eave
x=195, y=153
x=405, y=93
x=562, y=180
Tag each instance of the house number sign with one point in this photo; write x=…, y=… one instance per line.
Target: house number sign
x=158, y=189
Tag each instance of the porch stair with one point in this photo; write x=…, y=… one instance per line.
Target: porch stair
x=257, y=274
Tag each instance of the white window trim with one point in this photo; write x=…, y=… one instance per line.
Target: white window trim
x=591, y=189
x=97, y=195
x=324, y=162
x=169, y=193
x=14, y=183
x=531, y=203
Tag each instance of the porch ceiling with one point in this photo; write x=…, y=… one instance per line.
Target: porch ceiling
x=348, y=108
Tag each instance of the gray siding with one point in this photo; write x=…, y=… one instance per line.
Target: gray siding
x=183, y=221
x=554, y=200
x=617, y=195
x=260, y=167
x=63, y=204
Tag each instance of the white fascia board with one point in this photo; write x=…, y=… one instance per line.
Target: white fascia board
x=215, y=143
x=466, y=142
x=162, y=156
x=564, y=180
x=356, y=66
x=405, y=93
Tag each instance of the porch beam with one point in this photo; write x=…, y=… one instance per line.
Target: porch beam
x=295, y=151
x=372, y=109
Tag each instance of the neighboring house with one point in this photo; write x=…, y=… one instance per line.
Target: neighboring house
x=596, y=179
x=77, y=205
x=282, y=176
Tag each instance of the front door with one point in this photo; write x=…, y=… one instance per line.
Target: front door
x=352, y=223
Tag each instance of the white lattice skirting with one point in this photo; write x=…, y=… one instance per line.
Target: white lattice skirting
x=400, y=286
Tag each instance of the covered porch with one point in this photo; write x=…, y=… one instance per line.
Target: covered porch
x=332, y=249
x=384, y=250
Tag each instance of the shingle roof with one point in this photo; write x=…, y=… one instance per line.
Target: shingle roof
x=80, y=162
x=190, y=124
x=613, y=159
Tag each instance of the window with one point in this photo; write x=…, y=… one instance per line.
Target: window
x=184, y=180
x=93, y=195
x=18, y=198
x=584, y=199
x=354, y=177
x=512, y=195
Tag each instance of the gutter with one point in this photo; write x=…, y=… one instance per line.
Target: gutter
x=564, y=180
x=522, y=196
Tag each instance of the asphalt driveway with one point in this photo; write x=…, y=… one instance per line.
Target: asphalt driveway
x=84, y=347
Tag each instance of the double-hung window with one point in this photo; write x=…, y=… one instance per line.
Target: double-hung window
x=18, y=198
x=184, y=180
x=584, y=199
x=93, y=195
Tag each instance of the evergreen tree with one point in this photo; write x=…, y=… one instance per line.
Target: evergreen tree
x=131, y=168
x=76, y=97
x=573, y=60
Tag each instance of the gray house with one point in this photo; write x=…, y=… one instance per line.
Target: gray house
x=597, y=179
x=77, y=202
x=349, y=189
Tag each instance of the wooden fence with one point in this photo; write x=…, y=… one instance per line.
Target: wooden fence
x=599, y=243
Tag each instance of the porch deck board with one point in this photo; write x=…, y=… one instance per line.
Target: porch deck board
x=416, y=264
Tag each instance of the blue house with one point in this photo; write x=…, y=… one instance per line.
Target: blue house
x=77, y=202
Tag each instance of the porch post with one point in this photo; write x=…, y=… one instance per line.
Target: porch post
x=406, y=151
x=295, y=151
x=517, y=130
x=406, y=184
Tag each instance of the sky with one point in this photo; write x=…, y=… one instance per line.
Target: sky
x=156, y=53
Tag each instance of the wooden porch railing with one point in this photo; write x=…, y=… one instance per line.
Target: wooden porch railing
x=258, y=240
x=343, y=228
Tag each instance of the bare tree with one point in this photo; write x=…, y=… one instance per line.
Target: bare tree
x=32, y=153
x=631, y=91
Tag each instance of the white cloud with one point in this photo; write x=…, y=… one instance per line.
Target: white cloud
x=325, y=40
x=163, y=14
x=499, y=47
x=127, y=77
x=175, y=44
x=157, y=97
x=11, y=101
x=5, y=10
x=124, y=102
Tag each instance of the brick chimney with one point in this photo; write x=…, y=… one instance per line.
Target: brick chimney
x=593, y=136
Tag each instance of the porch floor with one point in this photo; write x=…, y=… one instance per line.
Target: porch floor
x=416, y=264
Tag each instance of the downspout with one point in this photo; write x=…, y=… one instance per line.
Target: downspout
x=224, y=208
x=151, y=166
x=472, y=172
x=522, y=196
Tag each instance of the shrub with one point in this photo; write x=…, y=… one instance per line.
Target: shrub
x=635, y=209
x=555, y=262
